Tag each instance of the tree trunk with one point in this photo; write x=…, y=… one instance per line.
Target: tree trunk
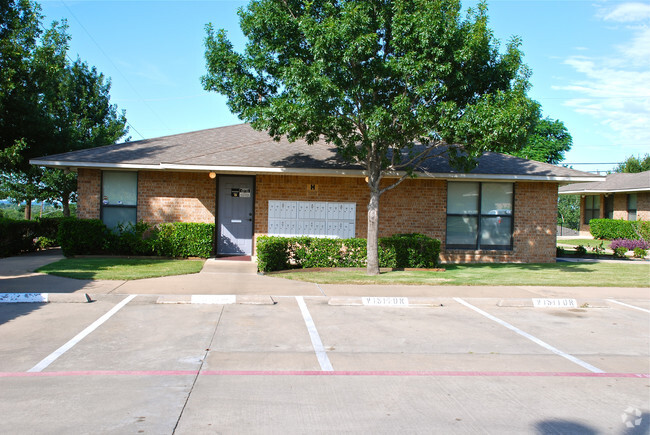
x=373, y=233
x=28, y=210
x=65, y=202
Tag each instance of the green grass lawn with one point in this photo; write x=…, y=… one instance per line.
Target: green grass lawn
x=558, y=274
x=120, y=268
x=587, y=243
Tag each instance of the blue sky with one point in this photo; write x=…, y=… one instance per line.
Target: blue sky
x=590, y=61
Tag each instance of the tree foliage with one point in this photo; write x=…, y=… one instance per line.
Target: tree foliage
x=634, y=164
x=390, y=83
x=548, y=142
x=568, y=211
x=48, y=105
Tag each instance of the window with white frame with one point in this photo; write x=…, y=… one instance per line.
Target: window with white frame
x=479, y=215
x=119, y=198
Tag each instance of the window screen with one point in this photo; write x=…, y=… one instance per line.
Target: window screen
x=119, y=198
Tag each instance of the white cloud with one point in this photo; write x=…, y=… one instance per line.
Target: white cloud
x=615, y=89
x=628, y=12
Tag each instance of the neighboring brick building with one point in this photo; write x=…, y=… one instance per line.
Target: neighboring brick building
x=619, y=196
x=249, y=185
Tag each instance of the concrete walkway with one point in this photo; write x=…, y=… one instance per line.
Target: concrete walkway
x=223, y=277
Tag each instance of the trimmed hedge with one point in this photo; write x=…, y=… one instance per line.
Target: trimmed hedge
x=83, y=236
x=90, y=236
x=183, y=239
x=399, y=251
x=619, y=229
x=17, y=236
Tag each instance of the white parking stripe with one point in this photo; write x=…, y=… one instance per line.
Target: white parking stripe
x=627, y=305
x=323, y=360
x=77, y=338
x=532, y=338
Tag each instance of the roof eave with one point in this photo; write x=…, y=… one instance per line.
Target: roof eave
x=602, y=191
x=304, y=171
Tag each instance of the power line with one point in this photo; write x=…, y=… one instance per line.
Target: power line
x=72, y=62
x=118, y=70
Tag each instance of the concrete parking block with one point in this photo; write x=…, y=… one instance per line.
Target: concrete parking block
x=216, y=299
x=344, y=301
x=528, y=303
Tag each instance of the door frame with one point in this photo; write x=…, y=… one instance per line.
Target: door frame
x=217, y=224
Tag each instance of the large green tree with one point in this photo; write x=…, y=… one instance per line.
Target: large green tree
x=390, y=83
x=634, y=164
x=548, y=142
x=48, y=105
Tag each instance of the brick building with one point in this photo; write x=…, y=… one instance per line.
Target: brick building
x=619, y=196
x=249, y=185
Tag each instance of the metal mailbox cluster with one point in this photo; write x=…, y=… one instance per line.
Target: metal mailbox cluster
x=311, y=218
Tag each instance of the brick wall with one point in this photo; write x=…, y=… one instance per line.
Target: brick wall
x=420, y=206
x=89, y=190
x=414, y=206
x=176, y=197
x=162, y=196
x=643, y=206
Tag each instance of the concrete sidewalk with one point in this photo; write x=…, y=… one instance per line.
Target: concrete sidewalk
x=223, y=277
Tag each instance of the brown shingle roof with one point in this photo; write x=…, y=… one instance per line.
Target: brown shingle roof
x=240, y=148
x=617, y=182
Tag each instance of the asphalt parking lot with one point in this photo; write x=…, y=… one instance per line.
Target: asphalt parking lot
x=127, y=364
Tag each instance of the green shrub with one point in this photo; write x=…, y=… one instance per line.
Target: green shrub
x=619, y=229
x=413, y=250
x=131, y=240
x=272, y=253
x=560, y=252
x=90, y=236
x=182, y=239
x=599, y=249
x=17, y=236
x=43, y=242
x=640, y=253
x=83, y=236
x=400, y=251
x=620, y=252
x=581, y=251
x=48, y=227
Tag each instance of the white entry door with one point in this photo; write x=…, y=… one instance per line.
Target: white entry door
x=235, y=216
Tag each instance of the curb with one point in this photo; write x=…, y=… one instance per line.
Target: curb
x=40, y=298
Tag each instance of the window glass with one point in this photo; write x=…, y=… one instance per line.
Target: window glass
x=592, y=208
x=462, y=198
x=609, y=207
x=496, y=198
x=120, y=188
x=631, y=207
x=462, y=231
x=496, y=231
x=112, y=216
